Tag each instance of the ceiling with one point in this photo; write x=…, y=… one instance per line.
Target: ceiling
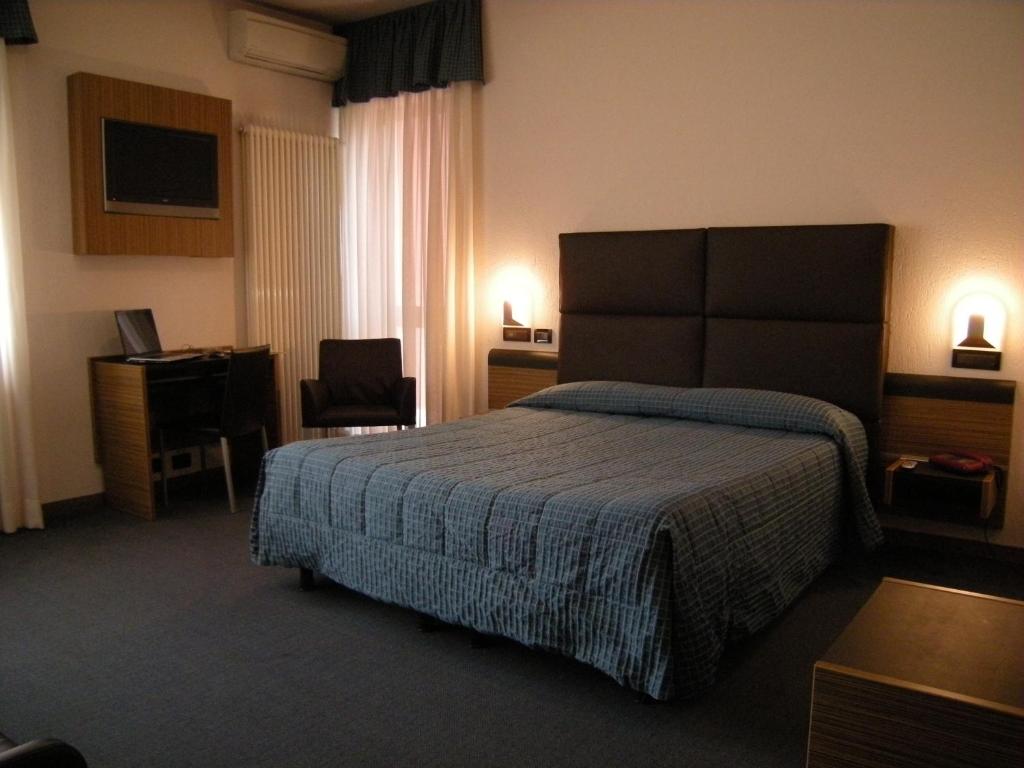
x=337, y=11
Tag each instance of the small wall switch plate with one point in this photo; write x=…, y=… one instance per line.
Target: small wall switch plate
x=515, y=333
x=982, y=359
x=542, y=336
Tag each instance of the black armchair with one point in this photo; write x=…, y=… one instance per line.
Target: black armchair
x=360, y=385
x=39, y=753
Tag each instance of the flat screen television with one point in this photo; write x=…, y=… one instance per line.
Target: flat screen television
x=157, y=171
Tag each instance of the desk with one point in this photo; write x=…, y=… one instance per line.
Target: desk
x=128, y=398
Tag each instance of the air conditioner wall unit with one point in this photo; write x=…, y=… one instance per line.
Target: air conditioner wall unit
x=264, y=41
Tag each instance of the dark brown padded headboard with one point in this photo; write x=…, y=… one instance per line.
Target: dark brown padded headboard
x=632, y=306
x=794, y=309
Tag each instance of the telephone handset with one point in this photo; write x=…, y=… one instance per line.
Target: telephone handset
x=963, y=462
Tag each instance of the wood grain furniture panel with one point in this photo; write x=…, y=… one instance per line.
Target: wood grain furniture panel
x=923, y=415
x=922, y=426
x=514, y=373
x=121, y=429
x=92, y=98
x=123, y=420
x=924, y=677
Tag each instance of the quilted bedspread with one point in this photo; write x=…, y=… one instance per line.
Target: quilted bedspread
x=635, y=528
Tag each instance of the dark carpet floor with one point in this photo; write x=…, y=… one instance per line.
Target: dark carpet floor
x=158, y=644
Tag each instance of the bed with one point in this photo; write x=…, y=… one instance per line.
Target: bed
x=701, y=461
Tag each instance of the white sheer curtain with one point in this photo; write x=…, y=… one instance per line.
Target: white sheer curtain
x=407, y=234
x=19, y=495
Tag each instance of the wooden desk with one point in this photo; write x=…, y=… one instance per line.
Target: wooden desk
x=923, y=676
x=123, y=399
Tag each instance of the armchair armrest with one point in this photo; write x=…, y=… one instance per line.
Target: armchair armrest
x=405, y=400
x=42, y=753
x=315, y=400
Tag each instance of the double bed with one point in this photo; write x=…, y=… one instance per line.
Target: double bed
x=702, y=460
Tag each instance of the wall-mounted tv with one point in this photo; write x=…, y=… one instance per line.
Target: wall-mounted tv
x=157, y=171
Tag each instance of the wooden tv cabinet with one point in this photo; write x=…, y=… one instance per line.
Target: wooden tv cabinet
x=92, y=98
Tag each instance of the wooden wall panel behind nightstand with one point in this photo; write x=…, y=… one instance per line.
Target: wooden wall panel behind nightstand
x=513, y=373
x=922, y=415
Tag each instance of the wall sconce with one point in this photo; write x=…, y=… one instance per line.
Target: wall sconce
x=515, y=317
x=979, y=322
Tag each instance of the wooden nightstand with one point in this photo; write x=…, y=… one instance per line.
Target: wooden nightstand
x=923, y=415
x=923, y=676
x=925, y=491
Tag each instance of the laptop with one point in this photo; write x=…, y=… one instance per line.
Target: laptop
x=140, y=341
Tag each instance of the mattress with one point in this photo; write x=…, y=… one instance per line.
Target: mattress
x=635, y=528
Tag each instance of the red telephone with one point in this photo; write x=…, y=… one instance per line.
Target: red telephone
x=962, y=462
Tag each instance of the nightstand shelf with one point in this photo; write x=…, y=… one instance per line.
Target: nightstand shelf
x=932, y=493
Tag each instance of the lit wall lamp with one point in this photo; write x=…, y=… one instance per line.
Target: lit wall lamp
x=979, y=322
x=515, y=316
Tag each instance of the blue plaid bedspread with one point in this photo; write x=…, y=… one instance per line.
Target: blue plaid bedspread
x=635, y=528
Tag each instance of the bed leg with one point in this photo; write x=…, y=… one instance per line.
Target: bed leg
x=306, y=579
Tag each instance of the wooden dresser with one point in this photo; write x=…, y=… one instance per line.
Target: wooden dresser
x=923, y=676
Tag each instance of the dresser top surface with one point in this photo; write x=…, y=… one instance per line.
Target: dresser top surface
x=964, y=643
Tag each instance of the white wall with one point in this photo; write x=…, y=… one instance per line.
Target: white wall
x=70, y=299
x=602, y=114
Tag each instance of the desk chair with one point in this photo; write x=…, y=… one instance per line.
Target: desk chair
x=243, y=412
x=360, y=384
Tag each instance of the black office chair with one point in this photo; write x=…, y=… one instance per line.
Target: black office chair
x=360, y=384
x=39, y=753
x=243, y=412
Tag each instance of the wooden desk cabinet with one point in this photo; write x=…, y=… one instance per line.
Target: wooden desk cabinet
x=924, y=676
x=123, y=428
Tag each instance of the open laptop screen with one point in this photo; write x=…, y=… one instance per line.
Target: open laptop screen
x=138, y=331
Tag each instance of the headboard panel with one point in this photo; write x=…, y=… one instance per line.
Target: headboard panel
x=650, y=349
x=838, y=272
x=838, y=362
x=796, y=309
x=800, y=309
x=649, y=327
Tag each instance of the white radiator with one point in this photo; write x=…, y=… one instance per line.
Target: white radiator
x=291, y=190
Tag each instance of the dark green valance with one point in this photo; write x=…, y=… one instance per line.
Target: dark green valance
x=426, y=46
x=16, y=26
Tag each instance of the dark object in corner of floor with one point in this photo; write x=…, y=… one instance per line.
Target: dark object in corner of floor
x=39, y=753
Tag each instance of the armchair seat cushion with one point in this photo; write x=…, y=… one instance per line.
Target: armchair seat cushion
x=358, y=415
